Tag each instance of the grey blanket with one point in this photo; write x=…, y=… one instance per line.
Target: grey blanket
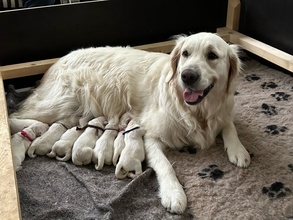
x=215, y=188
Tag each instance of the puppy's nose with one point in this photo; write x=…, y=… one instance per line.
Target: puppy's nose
x=189, y=76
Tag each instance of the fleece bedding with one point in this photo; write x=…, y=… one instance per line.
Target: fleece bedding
x=216, y=189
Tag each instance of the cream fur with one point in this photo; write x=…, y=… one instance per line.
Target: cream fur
x=133, y=154
x=20, y=143
x=82, y=151
x=62, y=149
x=111, y=81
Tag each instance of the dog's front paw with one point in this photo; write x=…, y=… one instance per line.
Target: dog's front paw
x=174, y=199
x=239, y=156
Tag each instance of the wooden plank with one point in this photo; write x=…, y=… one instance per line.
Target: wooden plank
x=233, y=14
x=9, y=208
x=38, y=67
x=259, y=48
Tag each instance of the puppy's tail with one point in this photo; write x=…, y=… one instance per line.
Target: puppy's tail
x=100, y=165
x=120, y=173
x=82, y=156
x=65, y=158
x=31, y=151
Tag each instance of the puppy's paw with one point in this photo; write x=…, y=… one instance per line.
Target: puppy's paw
x=173, y=198
x=239, y=156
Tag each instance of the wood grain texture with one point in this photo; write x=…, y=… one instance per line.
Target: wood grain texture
x=9, y=208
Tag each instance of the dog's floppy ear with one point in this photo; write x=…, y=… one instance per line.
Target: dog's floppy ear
x=235, y=68
x=175, y=56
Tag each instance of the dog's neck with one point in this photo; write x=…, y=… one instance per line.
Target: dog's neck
x=27, y=135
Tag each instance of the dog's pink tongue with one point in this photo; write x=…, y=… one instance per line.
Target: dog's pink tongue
x=191, y=96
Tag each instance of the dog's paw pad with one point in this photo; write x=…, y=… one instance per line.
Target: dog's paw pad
x=252, y=77
x=268, y=110
x=212, y=172
x=269, y=85
x=276, y=190
x=280, y=96
x=275, y=129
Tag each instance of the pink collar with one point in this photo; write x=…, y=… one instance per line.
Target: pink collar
x=23, y=133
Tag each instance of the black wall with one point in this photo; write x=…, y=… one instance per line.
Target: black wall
x=50, y=32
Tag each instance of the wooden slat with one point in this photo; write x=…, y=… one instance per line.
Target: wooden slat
x=263, y=50
x=233, y=14
x=9, y=208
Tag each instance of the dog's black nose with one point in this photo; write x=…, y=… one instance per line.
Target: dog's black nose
x=189, y=76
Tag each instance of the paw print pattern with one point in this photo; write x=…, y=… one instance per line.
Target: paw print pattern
x=281, y=96
x=290, y=167
x=188, y=149
x=276, y=190
x=269, y=110
x=212, y=172
x=275, y=129
x=269, y=85
x=252, y=77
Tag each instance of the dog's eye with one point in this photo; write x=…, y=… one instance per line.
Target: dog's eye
x=212, y=56
x=185, y=53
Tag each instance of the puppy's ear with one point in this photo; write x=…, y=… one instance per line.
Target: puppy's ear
x=175, y=56
x=235, y=68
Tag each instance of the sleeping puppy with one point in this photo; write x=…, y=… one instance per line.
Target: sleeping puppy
x=82, y=150
x=43, y=145
x=180, y=99
x=119, y=140
x=133, y=154
x=21, y=141
x=62, y=148
x=103, y=151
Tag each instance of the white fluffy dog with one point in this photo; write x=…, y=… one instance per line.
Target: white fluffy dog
x=21, y=141
x=43, y=145
x=180, y=99
x=133, y=154
x=82, y=151
x=62, y=148
x=103, y=151
x=119, y=140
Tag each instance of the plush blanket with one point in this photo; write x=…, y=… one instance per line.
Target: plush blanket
x=215, y=188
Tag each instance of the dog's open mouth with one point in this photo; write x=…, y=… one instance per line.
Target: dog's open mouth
x=192, y=97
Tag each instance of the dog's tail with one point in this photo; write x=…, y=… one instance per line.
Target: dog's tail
x=52, y=154
x=31, y=151
x=82, y=156
x=65, y=158
x=120, y=173
x=101, y=160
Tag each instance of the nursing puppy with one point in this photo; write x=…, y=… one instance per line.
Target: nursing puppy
x=133, y=154
x=119, y=140
x=62, y=148
x=103, y=151
x=82, y=151
x=182, y=99
x=43, y=145
x=21, y=141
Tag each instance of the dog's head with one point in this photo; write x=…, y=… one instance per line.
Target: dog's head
x=200, y=63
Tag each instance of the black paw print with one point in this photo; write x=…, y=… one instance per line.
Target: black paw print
x=290, y=167
x=276, y=190
x=281, y=96
x=188, y=149
x=267, y=85
x=275, y=129
x=212, y=171
x=269, y=110
x=252, y=77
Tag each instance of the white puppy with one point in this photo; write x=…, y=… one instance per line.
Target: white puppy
x=62, y=149
x=103, y=151
x=133, y=153
x=119, y=140
x=43, y=145
x=21, y=141
x=82, y=150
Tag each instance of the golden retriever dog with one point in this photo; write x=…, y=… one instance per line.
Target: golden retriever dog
x=182, y=99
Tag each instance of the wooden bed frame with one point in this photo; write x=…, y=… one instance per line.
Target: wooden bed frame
x=10, y=207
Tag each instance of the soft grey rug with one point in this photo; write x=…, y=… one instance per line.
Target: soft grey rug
x=215, y=188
